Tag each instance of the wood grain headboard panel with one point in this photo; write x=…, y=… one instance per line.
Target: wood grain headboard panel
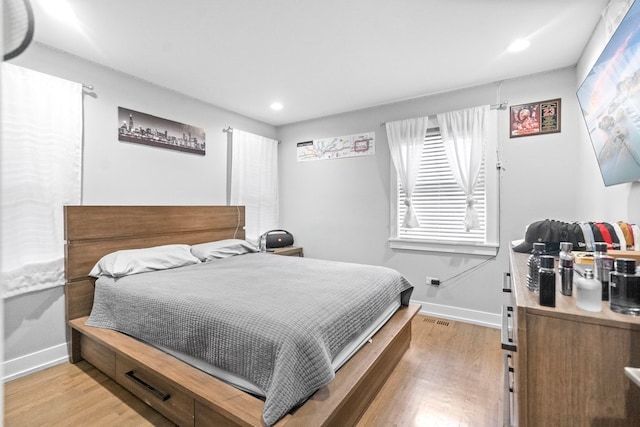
x=94, y=231
x=109, y=222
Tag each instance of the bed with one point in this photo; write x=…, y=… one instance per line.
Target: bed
x=180, y=391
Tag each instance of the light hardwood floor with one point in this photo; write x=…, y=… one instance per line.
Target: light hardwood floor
x=450, y=376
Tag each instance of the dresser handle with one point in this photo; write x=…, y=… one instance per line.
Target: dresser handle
x=506, y=282
x=508, y=392
x=157, y=393
x=507, y=333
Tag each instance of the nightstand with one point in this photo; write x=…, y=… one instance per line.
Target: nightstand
x=289, y=251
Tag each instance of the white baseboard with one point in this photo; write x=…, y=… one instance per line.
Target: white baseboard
x=30, y=363
x=482, y=318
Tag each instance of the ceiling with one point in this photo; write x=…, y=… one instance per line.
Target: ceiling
x=320, y=57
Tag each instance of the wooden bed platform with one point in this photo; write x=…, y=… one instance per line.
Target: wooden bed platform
x=186, y=395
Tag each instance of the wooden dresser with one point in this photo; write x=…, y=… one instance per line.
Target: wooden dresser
x=565, y=366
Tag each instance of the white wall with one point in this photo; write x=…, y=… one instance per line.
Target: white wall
x=119, y=173
x=124, y=173
x=339, y=209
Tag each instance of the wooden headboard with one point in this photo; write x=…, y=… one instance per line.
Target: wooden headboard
x=94, y=231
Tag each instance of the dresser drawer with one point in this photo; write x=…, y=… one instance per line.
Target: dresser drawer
x=155, y=391
x=508, y=400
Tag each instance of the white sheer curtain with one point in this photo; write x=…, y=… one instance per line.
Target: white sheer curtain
x=40, y=172
x=464, y=135
x=406, y=138
x=254, y=181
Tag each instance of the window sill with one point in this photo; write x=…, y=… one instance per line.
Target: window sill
x=487, y=249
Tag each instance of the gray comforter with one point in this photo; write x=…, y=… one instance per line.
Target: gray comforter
x=275, y=320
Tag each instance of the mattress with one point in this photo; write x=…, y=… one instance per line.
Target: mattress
x=278, y=322
x=246, y=385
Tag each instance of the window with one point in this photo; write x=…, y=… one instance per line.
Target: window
x=254, y=181
x=440, y=204
x=40, y=172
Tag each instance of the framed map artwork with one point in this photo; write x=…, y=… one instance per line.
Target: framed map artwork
x=362, y=144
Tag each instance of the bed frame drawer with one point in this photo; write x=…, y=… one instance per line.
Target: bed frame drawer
x=206, y=417
x=156, y=391
x=98, y=355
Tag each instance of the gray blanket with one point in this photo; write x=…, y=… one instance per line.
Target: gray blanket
x=275, y=320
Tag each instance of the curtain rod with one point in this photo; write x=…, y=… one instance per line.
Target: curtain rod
x=88, y=87
x=229, y=129
x=501, y=106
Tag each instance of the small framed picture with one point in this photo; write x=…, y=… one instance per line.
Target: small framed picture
x=534, y=118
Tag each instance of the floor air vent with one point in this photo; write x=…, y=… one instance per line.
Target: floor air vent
x=436, y=321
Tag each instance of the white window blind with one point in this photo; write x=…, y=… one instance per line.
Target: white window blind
x=439, y=202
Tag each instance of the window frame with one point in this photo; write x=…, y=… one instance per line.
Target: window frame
x=492, y=188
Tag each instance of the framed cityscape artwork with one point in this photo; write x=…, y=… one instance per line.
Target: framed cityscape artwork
x=142, y=128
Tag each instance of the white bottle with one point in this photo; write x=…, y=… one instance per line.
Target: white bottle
x=588, y=292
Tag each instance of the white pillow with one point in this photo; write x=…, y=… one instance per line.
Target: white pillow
x=133, y=261
x=222, y=249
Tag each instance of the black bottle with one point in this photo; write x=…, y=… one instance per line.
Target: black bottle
x=547, y=278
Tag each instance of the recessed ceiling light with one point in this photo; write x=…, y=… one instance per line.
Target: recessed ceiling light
x=276, y=106
x=519, y=45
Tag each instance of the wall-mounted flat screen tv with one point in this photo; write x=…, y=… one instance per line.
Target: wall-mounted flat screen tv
x=610, y=101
